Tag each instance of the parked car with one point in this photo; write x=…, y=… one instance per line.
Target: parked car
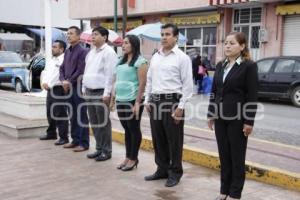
x=13, y=70
x=279, y=77
x=36, y=66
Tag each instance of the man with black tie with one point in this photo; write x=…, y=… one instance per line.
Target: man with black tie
x=169, y=86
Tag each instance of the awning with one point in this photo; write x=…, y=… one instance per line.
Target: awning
x=291, y=9
x=57, y=34
x=15, y=36
x=193, y=20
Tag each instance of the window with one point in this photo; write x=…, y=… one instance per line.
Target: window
x=202, y=41
x=248, y=21
x=264, y=66
x=255, y=39
x=193, y=36
x=244, y=16
x=297, y=67
x=284, y=66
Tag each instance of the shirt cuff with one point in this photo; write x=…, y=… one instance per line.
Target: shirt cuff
x=106, y=93
x=181, y=105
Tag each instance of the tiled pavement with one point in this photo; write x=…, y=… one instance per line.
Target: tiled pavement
x=37, y=170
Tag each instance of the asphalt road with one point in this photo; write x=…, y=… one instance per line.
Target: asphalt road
x=278, y=121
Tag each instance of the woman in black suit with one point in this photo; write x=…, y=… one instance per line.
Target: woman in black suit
x=232, y=110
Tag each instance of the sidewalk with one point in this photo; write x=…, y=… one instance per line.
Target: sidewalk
x=269, y=162
x=37, y=170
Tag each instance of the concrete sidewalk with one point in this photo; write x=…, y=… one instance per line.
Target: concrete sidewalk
x=37, y=170
x=269, y=162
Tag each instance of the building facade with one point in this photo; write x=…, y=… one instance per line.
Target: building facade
x=270, y=25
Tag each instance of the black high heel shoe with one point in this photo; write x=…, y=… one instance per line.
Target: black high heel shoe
x=121, y=166
x=129, y=168
x=221, y=198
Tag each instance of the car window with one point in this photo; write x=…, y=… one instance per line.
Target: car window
x=284, y=66
x=264, y=66
x=297, y=67
x=10, y=57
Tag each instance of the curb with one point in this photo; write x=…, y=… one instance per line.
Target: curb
x=255, y=171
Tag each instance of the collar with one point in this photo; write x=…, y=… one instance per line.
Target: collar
x=238, y=61
x=101, y=48
x=61, y=56
x=71, y=48
x=173, y=50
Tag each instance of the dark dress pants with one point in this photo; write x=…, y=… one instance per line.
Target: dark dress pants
x=79, y=119
x=56, y=113
x=167, y=137
x=232, y=146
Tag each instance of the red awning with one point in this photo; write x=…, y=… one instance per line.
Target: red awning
x=225, y=2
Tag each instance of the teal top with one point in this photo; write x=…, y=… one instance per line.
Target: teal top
x=127, y=82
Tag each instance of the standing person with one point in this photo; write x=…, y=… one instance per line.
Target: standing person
x=70, y=72
x=51, y=83
x=96, y=87
x=131, y=75
x=195, y=64
x=169, y=86
x=232, y=111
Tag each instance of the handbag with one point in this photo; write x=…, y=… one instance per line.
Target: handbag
x=201, y=70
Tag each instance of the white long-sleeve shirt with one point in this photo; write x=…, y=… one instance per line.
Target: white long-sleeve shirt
x=171, y=73
x=99, y=69
x=51, y=72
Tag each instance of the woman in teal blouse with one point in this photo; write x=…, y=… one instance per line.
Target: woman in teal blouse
x=131, y=73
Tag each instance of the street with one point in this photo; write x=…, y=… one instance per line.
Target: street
x=279, y=123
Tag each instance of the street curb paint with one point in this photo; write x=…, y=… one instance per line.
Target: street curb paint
x=255, y=171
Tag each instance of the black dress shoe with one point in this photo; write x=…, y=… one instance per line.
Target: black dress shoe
x=61, y=142
x=93, y=155
x=47, y=137
x=156, y=176
x=103, y=157
x=171, y=182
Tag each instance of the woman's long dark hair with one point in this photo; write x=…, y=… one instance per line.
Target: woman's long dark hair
x=135, y=48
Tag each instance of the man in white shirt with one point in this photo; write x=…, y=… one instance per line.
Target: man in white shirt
x=96, y=87
x=169, y=86
x=51, y=83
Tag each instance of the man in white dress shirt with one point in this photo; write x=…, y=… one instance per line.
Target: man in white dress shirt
x=56, y=114
x=169, y=86
x=96, y=87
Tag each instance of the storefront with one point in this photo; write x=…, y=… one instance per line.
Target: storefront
x=291, y=29
x=200, y=31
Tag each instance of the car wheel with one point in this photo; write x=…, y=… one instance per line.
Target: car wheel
x=19, y=86
x=295, y=97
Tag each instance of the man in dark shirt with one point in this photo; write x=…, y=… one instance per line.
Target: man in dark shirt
x=70, y=74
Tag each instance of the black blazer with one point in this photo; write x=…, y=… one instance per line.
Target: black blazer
x=236, y=98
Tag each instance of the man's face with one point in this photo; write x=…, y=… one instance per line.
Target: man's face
x=168, y=40
x=97, y=39
x=56, y=49
x=73, y=38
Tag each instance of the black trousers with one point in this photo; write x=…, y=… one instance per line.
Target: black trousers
x=131, y=124
x=232, y=145
x=167, y=137
x=56, y=111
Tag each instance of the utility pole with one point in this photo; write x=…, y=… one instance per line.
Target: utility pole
x=115, y=18
x=124, y=19
x=48, y=31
